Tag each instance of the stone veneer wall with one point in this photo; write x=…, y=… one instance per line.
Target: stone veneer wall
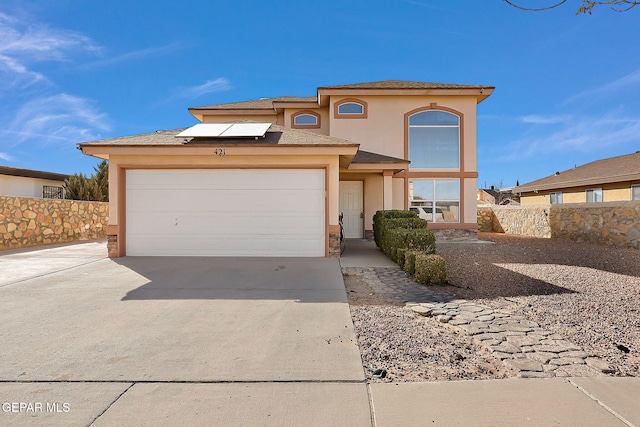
x=30, y=221
x=609, y=223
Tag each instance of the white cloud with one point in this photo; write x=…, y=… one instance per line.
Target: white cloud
x=219, y=84
x=210, y=86
x=545, y=120
x=6, y=157
x=61, y=118
x=631, y=80
x=583, y=134
x=132, y=56
x=24, y=44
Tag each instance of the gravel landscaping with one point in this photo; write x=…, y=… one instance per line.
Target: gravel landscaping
x=586, y=294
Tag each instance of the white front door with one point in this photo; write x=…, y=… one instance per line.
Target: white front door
x=352, y=207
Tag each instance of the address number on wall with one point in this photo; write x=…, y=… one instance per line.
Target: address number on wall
x=220, y=152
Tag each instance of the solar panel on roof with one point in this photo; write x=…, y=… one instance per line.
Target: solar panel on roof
x=246, y=129
x=204, y=129
x=225, y=130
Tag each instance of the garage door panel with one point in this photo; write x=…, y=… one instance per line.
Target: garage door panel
x=226, y=212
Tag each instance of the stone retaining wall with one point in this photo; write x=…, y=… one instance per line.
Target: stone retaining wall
x=30, y=222
x=612, y=223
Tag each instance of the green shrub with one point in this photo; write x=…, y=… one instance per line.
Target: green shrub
x=400, y=256
x=410, y=261
x=420, y=239
x=380, y=219
x=430, y=270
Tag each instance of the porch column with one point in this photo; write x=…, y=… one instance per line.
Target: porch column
x=387, y=189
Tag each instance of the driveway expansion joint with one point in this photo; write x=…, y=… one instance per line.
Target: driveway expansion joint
x=520, y=343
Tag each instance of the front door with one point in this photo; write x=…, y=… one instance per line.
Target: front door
x=352, y=207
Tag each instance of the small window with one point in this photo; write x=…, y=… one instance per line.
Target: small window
x=594, y=195
x=52, y=192
x=635, y=192
x=306, y=119
x=350, y=109
x=556, y=198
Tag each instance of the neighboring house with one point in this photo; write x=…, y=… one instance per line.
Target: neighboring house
x=491, y=196
x=30, y=183
x=609, y=180
x=271, y=176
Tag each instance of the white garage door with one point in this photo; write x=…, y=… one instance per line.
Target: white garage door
x=225, y=212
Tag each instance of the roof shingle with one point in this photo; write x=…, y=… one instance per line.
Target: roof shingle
x=606, y=170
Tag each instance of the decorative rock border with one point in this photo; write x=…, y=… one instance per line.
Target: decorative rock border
x=521, y=344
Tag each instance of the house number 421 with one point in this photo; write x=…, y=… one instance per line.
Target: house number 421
x=220, y=152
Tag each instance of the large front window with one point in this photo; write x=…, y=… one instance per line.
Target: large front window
x=436, y=200
x=434, y=140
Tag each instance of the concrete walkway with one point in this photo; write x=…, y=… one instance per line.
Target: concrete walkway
x=226, y=341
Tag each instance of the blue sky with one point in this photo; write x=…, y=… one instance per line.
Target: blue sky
x=567, y=86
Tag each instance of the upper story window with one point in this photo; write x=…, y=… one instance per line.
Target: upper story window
x=350, y=109
x=635, y=192
x=556, y=198
x=594, y=195
x=434, y=140
x=305, y=119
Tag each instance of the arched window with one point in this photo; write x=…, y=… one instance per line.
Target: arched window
x=434, y=140
x=350, y=109
x=305, y=119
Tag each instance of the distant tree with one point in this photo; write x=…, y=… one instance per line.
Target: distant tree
x=94, y=188
x=101, y=179
x=586, y=7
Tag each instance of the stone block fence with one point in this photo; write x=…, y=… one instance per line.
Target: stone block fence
x=609, y=223
x=30, y=221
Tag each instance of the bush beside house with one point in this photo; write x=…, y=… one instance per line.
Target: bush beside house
x=405, y=238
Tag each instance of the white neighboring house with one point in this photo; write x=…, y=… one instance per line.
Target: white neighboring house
x=30, y=183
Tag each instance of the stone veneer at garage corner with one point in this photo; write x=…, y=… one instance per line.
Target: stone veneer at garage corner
x=33, y=221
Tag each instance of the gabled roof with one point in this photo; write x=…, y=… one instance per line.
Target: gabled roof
x=257, y=104
x=268, y=105
x=28, y=173
x=275, y=135
x=614, y=169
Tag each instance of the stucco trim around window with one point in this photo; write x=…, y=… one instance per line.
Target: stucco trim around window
x=299, y=114
x=436, y=107
x=338, y=115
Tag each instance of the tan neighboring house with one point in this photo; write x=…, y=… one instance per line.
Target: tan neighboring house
x=609, y=180
x=270, y=177
x=20, y=182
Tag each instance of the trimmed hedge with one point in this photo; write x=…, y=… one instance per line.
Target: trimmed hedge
x=380, y=222
x=430, y=270
x=410, y=262
x=405, y=238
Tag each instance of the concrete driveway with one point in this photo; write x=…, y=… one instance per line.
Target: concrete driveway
x=196, y=341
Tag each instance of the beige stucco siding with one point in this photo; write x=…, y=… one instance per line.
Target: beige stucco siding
x=383, y=131
x=470, y=205
x=399, y=197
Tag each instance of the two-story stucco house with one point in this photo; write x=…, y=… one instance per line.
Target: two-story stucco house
x=271, y=176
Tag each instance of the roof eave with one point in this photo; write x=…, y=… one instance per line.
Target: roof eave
x=577, y=183
x=200, y=112
x=480, y=93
